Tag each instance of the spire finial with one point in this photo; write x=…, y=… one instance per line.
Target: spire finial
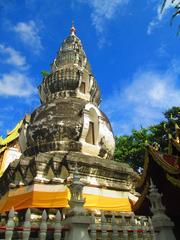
x=73, y=30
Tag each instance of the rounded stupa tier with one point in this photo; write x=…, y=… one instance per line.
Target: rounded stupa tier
x=71, y=74
x=69, y=125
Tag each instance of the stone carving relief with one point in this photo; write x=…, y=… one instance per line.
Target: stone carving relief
x=104, y=152
x=58, y=122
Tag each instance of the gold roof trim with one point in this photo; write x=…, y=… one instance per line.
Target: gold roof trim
x=176, y=144
x=158, y=158
x=3, y=149
x=142, y=197
x=173, y=180
x=12, y=135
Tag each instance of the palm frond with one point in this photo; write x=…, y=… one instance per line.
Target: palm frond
x=163, y=5
x=174, y=15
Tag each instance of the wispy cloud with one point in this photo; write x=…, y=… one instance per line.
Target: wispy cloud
x=142, y=102
x=10, y=56
x=103, y=11
x=16, y=84
x=156, y=21
x=28, y=32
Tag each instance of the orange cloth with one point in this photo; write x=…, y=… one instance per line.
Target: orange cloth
x=23, y=198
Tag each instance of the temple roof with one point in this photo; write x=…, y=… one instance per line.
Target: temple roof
x=11, y=135
x=164, y=170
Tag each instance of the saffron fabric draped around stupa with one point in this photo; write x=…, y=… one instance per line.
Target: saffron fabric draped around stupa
x=56, y=196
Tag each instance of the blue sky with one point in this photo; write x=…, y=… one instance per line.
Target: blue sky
x=133, y=51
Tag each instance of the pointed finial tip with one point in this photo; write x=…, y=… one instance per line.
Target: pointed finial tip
x=73, y=29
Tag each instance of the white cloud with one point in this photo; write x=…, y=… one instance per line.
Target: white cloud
x=103, y=10
x=160, y=14
x=153, y=89
x=152, y=25
x=142, y=102
x=29, y=34
x=10, y=56
x=16, y=84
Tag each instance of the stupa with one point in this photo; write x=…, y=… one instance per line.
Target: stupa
x=67, y=129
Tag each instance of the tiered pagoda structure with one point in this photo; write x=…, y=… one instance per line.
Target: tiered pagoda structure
x=163, y=169
x=67, y=129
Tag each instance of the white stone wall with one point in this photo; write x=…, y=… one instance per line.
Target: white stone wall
x=102, y=131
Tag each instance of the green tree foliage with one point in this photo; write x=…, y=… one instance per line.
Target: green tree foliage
x=131, y=149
